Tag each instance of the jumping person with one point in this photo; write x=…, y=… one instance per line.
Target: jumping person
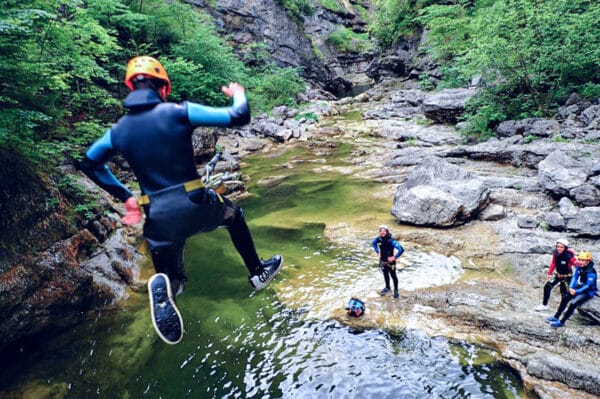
x=559, y=272
x=582, y=288
x=155, y=137
x=384, y=246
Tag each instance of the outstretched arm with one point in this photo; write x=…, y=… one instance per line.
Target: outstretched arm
x=237, y=114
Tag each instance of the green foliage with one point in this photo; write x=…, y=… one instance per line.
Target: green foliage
x=51, y=58
x=560, y=139
x=63, y=63
x=393, y=18
x=297, y=8
x=332, y=5
x=531, y=54
x=274, y=86
x=530, y=138
x=213, y=65
x=307, y=116
x=345, y=40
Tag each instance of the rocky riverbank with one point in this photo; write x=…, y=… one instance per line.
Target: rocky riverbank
x=498, y=206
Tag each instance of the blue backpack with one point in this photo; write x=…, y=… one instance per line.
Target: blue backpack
x=355, y=307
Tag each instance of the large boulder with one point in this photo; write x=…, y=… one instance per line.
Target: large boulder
x=447, y=105
x=591, y=309
x=438, y=193
x=560, y=173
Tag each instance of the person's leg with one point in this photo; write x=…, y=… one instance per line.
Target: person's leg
x=386, y=278
x=394, y=277
x=547, y=289
x=169, y=260
x=565, y=297
x=261, y=272
x=241, y=237
x=576, y=302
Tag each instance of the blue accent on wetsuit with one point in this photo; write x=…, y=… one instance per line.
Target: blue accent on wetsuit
x=588, y=283
x=156, y=139
x=386, y=245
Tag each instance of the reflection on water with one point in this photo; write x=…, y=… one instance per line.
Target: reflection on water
x=282, y=342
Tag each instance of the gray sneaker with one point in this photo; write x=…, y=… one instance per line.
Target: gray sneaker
x=271, y=268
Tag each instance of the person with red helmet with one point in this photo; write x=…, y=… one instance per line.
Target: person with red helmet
x=155, y=137
x=559, y=272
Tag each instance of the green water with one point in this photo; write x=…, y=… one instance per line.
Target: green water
x=279, y=342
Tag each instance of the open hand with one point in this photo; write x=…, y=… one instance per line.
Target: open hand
x=232, y=89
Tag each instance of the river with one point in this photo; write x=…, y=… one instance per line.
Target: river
x=292, y=340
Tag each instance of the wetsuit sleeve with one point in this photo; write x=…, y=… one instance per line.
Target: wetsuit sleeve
x=590, y=282
x=374, y=244
x=574, y=278
x=94, y=166
x=397, y=245
x=236, y=115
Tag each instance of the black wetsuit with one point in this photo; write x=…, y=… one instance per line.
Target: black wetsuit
x=584, y=282
x=562, y=274
x=155, y=137
x=385, y=246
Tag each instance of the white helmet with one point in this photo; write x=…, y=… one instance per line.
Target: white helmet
x=383, y=226
x=563, y=241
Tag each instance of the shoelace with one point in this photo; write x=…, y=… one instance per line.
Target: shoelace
x=263, y=276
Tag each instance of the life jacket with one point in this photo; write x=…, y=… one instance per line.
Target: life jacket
x=355, y=307
x=562, y=261
x=386, y=248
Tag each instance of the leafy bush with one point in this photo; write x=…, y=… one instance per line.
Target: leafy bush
x=531, y=55
x=345, y=40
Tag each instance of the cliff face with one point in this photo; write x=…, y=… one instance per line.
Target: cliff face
x=296, y=43
x=49, y=270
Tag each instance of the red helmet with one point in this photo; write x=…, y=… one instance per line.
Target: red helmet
x=148, y=67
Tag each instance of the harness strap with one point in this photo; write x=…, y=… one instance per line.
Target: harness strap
x=187, y=186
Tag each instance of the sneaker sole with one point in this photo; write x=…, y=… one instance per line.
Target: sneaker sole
x=271, y=277
x=165, y=316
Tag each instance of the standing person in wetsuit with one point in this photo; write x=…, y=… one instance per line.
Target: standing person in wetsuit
x=155, y=137
x=559, y=272
x=384, y=246
x=582, y=288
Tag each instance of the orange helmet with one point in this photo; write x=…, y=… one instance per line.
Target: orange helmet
x=146, y=66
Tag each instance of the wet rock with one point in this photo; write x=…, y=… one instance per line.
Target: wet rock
x=447, y=105
x=559, y=173
x=591, y=309
x=529, y=127
x=555, y=221
x=437, y=193
x=586, y=222
x=493, y=212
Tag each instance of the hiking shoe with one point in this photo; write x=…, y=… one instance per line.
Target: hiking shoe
x=540, y=308
x=557, y=324
x=551, y=319
x=396, y=294
x=166, y=318
x=384, y=291
x=271, y=268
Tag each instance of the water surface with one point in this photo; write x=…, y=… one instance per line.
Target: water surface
x=283, y=342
